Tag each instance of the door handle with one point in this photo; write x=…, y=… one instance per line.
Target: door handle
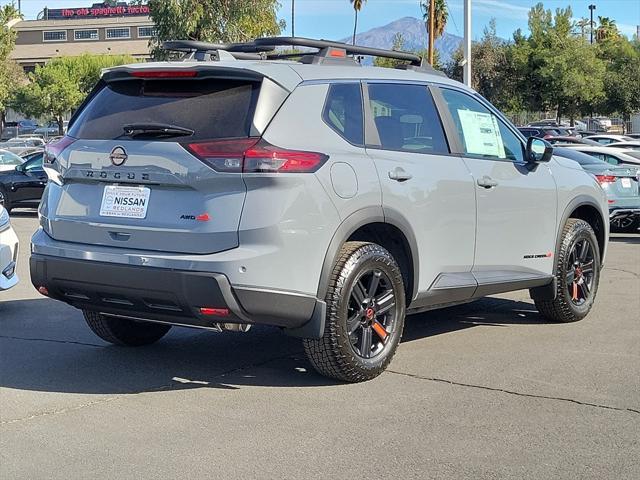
x=487, y=182
x=400, y=175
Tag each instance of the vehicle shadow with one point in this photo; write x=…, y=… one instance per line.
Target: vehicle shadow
x=46, y=346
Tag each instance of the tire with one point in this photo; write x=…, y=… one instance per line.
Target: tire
x=376, y=326
x=120, y=331
x=4, y=200
x=576, y=280
x=625, y=227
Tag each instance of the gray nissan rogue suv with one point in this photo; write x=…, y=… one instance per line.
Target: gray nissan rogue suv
x=242, y=185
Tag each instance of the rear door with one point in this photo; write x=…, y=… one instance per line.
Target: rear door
x=127, y=183
x=424, y=187
x=516, y=202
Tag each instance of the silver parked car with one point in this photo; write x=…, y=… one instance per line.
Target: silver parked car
x=329, y=199
x=620, y=185
x=8, y=252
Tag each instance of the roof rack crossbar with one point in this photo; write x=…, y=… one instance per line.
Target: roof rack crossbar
x=265, y=48
x=412, y=58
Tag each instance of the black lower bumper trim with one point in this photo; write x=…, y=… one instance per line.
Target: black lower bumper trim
x=172, y=296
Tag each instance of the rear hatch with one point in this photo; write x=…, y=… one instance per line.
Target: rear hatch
x=621, y=185
x=126, y=177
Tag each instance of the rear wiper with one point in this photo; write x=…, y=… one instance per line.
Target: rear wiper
x=156, y=130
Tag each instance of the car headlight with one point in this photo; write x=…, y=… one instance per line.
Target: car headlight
x=4, y=218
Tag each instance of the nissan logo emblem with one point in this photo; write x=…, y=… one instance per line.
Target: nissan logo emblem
x=118, y=156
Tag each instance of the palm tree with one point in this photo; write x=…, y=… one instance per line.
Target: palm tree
x=584, y=25
x=441, y=16
x=357, y=6
x=606, y=29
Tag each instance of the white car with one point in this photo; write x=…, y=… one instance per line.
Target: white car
x=635, y=145
x=606, y=139
x=612, y=155
x=9, y=161
x=8, y=252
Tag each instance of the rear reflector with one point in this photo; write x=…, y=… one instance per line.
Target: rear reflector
x=215, y=312
x=602, y=179
x=165, y=74
x=251, y=155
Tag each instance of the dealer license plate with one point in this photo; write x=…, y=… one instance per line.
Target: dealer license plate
x=127, y=202
x=626, y=182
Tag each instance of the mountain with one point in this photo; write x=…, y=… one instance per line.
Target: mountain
x=415, y=37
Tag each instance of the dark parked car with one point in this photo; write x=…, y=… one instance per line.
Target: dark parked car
x=540, y=132
x=13, y=129
x=23, y=186
x=570, y=140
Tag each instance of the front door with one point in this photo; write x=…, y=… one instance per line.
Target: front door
x=424, y=188
x=516, y=201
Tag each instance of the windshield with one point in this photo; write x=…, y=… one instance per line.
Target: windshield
x=212, y=108
x=8, y=158
x=581, y=158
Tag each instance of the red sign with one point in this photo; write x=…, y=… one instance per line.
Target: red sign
x=98, y=10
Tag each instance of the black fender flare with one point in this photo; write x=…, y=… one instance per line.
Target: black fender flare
x=359, y=219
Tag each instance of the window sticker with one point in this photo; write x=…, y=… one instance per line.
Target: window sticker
x=481, y=134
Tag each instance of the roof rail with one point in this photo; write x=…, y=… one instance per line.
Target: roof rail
x=327, y=52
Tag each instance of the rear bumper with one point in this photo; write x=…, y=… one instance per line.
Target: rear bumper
x=171, y=296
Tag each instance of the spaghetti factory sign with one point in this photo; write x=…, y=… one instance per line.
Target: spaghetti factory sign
x=98, y=10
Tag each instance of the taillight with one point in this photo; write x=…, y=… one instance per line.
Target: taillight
x=252, y=155
x=54, y=149
x=602, y=179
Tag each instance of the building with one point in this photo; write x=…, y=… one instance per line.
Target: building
x=101, y=28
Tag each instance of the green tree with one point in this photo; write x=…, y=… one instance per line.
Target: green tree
x=398, y=45
x=607, y=29
x=212, y=21
x=621, y=86
x=357, y=6
x=59, y=87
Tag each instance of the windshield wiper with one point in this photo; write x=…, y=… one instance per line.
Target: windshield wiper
x=155, y=130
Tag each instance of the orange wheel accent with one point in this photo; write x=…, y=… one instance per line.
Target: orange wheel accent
x=379, y=329
x=575, y=291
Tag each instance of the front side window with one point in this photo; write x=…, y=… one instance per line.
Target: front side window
x=406, y=118
x=33, y=164
x=482, y=134
x=343, y=112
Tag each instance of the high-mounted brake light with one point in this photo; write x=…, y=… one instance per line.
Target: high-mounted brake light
x=251, y=155
x=337, y=53
x=602, y=179
x=165, y=74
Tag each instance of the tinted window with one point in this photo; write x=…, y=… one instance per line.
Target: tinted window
x=211, y=108
x=406, y=118
x=34, y=163
x=343, y=111
x=481, y=133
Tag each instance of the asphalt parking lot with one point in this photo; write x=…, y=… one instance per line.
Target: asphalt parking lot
x=486, y=390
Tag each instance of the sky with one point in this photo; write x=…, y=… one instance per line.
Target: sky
x=333, y=19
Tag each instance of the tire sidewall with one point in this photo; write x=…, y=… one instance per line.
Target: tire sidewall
x=361, y=262
x=581, y=231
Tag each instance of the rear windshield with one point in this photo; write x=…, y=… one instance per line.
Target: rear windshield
x=212, y=108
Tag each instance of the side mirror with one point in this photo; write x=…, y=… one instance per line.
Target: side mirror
x=19, y=168
x=538, y=150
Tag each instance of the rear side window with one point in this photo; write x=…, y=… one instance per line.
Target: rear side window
x=343, y=112
x=406, y=118
x=212, y=108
